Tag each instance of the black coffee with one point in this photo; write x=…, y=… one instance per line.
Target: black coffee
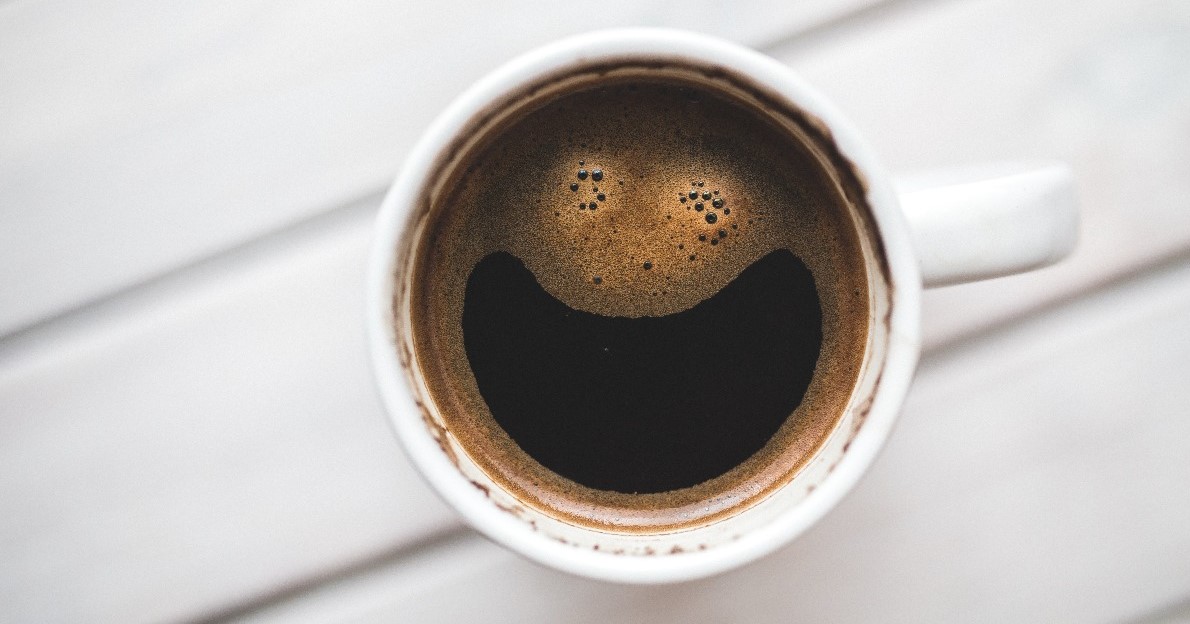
x=640, y=301
x=643, y=404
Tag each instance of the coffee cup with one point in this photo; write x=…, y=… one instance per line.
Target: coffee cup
x=625, y=184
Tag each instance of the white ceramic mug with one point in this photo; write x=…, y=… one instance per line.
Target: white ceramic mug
x=945, y=228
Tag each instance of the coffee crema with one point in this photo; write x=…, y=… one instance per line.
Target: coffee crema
x=639, y=303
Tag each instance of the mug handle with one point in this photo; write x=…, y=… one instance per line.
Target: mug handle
x=983, y=221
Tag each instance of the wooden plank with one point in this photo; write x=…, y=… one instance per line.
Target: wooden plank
x=217, y=439
x=1103, y=85
x=1038, y=475
x=213, y=438
x=141, y=136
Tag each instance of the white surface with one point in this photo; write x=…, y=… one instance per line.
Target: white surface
x=1102, y=85
x=138, y=136
x=211, y=439
x=1038, y=475
x=217, y=439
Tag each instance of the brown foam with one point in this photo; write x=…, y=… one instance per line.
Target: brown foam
x=654, y=138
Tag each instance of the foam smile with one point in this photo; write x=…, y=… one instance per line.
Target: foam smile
x=624, y=404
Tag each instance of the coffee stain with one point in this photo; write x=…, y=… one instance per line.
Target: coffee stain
x=864, y=409
x=437, y=431
x=514, y=510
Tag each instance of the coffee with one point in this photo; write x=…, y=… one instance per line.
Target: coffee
x=648, y=404
x=639, y=301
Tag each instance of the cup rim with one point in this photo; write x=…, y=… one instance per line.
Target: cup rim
x=397, y=396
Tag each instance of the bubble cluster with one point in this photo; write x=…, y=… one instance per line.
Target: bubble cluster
x=717, y=202
x=596, y=175
x=709, y=203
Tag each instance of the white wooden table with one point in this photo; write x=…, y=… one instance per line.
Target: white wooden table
x=188, y=430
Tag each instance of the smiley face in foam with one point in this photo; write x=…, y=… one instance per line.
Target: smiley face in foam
x=638, y=292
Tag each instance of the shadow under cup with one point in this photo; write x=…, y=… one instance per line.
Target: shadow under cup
x=444, y=241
